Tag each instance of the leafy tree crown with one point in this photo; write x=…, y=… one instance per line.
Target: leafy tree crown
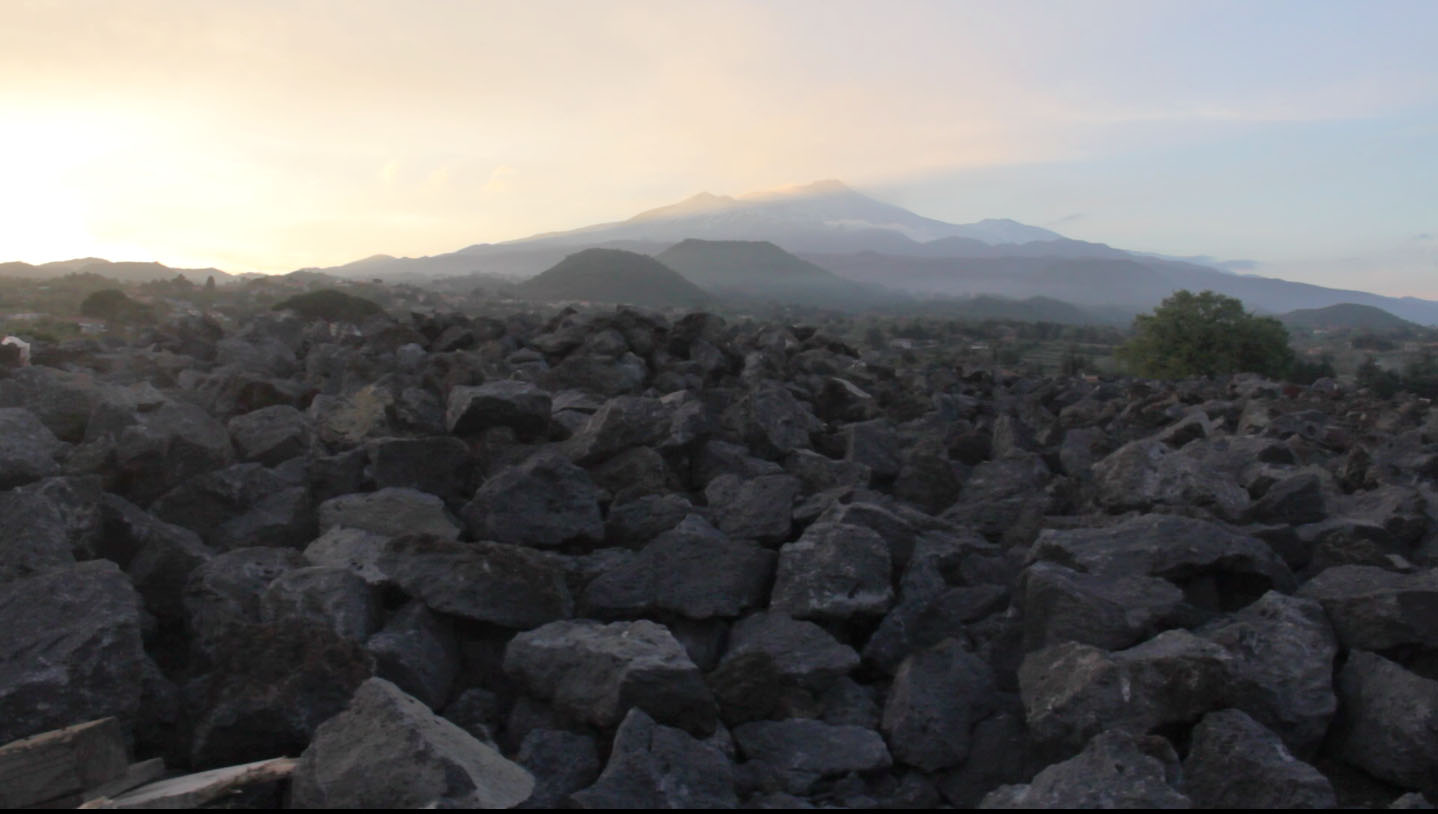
x=1205, y=334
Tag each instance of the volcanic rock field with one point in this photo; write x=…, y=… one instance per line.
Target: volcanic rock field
x=619, y=558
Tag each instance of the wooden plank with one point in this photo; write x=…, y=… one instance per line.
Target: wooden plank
x=194, y=790
x=60, y=763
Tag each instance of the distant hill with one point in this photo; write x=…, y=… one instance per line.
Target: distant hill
x=759, y=270
x=1349, y=317
x=1032, y=309
x=613, y=275
x=124, y=272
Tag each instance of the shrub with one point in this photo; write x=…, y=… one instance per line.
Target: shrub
x=330, y=305
x=1205, y=334
x=112, y=305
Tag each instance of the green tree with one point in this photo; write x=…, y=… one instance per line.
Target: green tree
x=112, y=305
x=1205, y=334
x=330, y=305
x=1372, y=376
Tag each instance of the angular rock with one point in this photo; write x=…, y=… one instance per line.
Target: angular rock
x=270, y=435
x=61, y=399
x=70, y=649
x=1283, y=652
x=755, y=508
x=1376, y=609
x=1116, y=769
x=1295, y=500
x=561, y=763
x=1071, y=692
x=158, y=556
x=389, y=512
x=36, y=537
x=1387, y=723
x=640, y=520
x=167, y=446
x=834, y=571
x=795, y=754
x=505, y=585
x=224, y=592
x=330, y=596
x=271, y=686
x=355, y=549
x=1235, y=762
x=545, y=501
x=437, y=465
x=1148, y=473
x=622, y=423
x=1108, y=612
x=388, y=750
x=417, y=651
x=873, y=444
x=771, y=421
x=656, y=766
x=596, y=673
x=28, y=450
x=1218, y=568
x=692, y=570
x=936, y=698
x=771, y=655
x=998, y=495
x=520, y=406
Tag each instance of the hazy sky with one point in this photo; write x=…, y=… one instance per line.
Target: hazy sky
x=273, y=135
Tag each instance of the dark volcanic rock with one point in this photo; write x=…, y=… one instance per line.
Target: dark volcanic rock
x=520, y=406
x=545, y=501
x=655, y=766
x=224, y=592
x=756, y=508
x=438, y=465
x=28, y=449
x=505, y=585
x=387, y=750
x=936, y=698
x=596, y=673
x=70, y=649
x=564, y=762
x=1116, y=769
x=1387, y=724
x=1235, y=762
x=270, y=435
x=330, y=596
x=1109, y=612
x=834, y=571
x=1375, y=609
x=418, y=652
x=389, y=512
x=796, y=754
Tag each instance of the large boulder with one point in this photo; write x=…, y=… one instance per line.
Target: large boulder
x=564, y=762
x=596, y=673
x=772, y=661
x=692, y=570
x=622, y=423
x=166, y=446
x=332, y=596
x=417, y=650
x=545, y=501
x=437, y=465
x=70, y=649
x=224, y=592
x=28, y=450
x=834, y=571
x=1148, y=473
x=509, y=586
x=771, y=421
x=36, y=536
x=1387, y=726
x=759, y=508
x=1117, y=769
x=271, y=686
x=388, y=750
x=795, y=754
x=518, y=405
x=270, y=435
x=1235, y=762
x=656, y=766
x=1071, y=692
x=61, y=399
x=389, y=512
x=1218, y=568
x=1377, y=609
x=936, y=698
x=1108, y=612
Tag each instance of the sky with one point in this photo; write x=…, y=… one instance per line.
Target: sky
x=1298, y=137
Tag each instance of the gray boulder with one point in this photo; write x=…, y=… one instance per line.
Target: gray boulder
x=505, y=585
x=545, y=501
x=436, y=465
x=794, y=755
x=1071, y=692
x=1376, y=609
x=622, y=423
x=656, y=766
x=270, y=435
x=1000, y=495
x=1147, y=473
x=1235, y=762
x=389, y=512
x=771, y=421
x=596, y=673
x=355, y=549
x=324, y=595
x=1117, y=769
x=834, y=571
x=166, y=446
x=563, y=762
x=1221, y=569
x=224, y=592
x=70, y=649
x=417, y=650
x=61, y=399
x=28, y=450
x=1108, y=612
x=36, y=538
x=754, y=508
x=774, y=661
x=1387, y=726
x=692, y=570
x=936, y=698
x=387, y=750
x=520, y=406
